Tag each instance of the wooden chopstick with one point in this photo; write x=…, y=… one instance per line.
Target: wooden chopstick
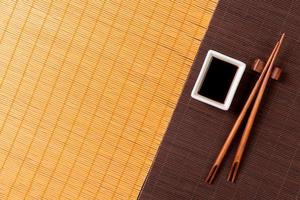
x=211, y=175
x=238, y=156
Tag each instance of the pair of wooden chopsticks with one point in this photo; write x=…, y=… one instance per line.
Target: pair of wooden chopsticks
x=258, y=89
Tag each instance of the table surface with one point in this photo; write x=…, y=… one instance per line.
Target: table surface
x=245, y=30
x=87, y=89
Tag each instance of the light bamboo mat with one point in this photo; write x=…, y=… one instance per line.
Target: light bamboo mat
x=87, y=89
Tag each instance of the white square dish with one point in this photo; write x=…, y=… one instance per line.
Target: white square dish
x=218, y=80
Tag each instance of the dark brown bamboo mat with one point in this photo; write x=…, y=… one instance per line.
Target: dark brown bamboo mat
x=245, y=30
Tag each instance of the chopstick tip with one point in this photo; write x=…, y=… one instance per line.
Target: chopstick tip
x=282, y=37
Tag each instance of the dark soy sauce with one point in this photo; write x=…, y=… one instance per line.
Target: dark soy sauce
x=218, y=79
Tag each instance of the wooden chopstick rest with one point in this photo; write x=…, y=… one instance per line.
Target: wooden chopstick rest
x=258, y=66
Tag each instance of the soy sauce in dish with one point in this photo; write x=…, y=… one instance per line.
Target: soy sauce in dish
x=218, y=79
